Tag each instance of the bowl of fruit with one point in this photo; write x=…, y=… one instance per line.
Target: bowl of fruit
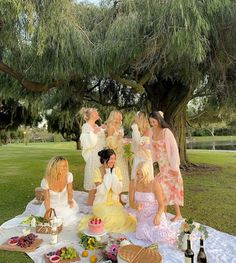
x=54, y=258
x=13, y=241
x=66, y=253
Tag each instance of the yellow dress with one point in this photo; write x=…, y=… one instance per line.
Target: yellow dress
x=107, y=206
x=116, y=143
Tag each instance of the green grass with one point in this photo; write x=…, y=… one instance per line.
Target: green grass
x=213, y=138
x=209, y=196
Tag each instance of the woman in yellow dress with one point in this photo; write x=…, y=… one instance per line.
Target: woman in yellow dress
x=115, y=141
x=106, y=205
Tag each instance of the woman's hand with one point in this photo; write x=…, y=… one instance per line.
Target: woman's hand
x=70, y=203
x=139, y=206
x=96, y=129
x=173, y=173
x=157, y=220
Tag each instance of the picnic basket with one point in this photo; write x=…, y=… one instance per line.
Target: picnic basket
x=46, y=226
x=137, y=254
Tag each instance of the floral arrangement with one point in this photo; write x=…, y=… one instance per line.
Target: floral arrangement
x=88, y=242
x=110, y=249
x=187, y=227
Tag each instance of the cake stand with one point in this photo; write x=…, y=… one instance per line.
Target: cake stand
x=86, y=232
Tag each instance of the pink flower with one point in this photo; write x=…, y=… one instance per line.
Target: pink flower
x=114, y=248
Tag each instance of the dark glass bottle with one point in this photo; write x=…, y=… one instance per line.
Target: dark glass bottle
x=188, y=254
x=201, y=257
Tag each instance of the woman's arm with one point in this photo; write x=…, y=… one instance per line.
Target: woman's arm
x=117, y=181
x=159, y=197
x=46, y=199
x=172, y=151
x=132, y=202
x=70, y=195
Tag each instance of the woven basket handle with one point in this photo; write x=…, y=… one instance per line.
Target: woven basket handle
x=48, y=214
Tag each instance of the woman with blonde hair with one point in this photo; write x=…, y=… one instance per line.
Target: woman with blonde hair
x=165, y=151
x=141, y=142
x=115, y=141
x=145, y=196
x=92, y=140
x=57, y=186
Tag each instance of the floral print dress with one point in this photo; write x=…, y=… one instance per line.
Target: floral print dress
x=172, y=186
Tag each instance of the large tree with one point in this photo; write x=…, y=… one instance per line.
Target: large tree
x=162, y=49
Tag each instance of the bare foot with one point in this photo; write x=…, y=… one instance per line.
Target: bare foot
x=176, y=218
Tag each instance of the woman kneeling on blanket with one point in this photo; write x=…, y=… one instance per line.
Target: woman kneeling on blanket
x=108, y=181
x=145, y=195
x=57, y=186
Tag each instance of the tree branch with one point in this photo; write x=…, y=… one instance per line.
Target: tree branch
x=27, y=84
x=131, y=83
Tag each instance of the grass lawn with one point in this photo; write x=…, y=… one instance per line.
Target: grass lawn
x=209, y=196
x=213, y=138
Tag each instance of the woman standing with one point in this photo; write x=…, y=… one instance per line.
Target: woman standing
x=165, y=152
x=115, y=141
x=141, y=142
x=92, y=141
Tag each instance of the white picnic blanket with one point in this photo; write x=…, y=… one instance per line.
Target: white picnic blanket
x=220, y=247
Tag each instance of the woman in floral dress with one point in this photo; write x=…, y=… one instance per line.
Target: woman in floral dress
x=165, y=152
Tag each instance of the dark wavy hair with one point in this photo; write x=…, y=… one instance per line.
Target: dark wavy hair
x=157, y=116
x=105, y=155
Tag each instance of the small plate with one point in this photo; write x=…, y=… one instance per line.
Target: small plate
x=86, y=232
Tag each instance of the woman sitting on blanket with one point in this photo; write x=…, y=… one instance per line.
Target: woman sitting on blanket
x=108, y=181
x=145, y=195
x=57, y=186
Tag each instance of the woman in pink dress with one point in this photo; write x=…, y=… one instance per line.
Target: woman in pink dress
x=145, y=195
x=165, y=152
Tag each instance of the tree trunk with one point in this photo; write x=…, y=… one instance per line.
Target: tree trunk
x=172, y=98
x=78, y=147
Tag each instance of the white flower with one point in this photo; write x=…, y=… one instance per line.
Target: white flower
x=124, y=242
x=197, y=225
x=33, y=222
x=25, y=231
x=98, y=238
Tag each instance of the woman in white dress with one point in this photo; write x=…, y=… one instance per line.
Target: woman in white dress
x=141, y=145
x=92, y=140
x=115, y=141
x=57, y=186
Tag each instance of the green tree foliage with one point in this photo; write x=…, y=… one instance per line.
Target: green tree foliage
x=162, y=50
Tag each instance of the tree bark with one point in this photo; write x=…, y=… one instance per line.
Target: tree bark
x=172, y=98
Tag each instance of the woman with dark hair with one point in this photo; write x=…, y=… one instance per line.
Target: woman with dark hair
x=106, y=205
x=165, y=152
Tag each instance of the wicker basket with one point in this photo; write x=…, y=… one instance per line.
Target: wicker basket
x=39, y=194
x=137, y=254
x=45, y=227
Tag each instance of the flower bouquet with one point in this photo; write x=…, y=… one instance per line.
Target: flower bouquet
x=88, y=242
x=109, y=249
x=187, y=227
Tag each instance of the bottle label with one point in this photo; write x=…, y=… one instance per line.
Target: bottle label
x=53, y=239
x=188, y=260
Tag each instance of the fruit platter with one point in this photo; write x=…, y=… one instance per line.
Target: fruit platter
x=62, y=255
x=27, y=243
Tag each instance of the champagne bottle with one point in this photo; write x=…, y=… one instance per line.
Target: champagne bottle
x=189, y=254
x=201, y=257
x=53, y=240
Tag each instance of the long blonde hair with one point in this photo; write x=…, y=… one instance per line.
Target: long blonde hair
x=52, y=174
x=142, y=122
x=86, y=113
x=144, y=167
x=112, y=116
